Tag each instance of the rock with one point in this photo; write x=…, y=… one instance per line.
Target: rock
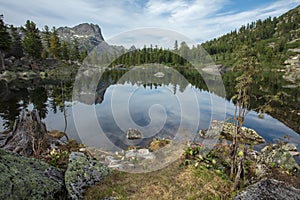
x=27, y=75
x=276, y=156
x=110, y=160
x=83, y=172
x=159, y=74
x=157, y=144
x=289, y=147
x=226, y=129
x=140, y=153
x=8, y=75
x=28, y=178
x=269, y=189
x=133, y=134
x=260, y=170
x=58, y=134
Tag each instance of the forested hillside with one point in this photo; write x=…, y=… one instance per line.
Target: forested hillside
x=272, y=40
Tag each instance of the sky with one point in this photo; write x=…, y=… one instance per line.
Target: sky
x=200, y=20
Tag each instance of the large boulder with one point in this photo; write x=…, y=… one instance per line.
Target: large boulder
x=278, y=156
x=28, y=178
x=83, y=172
x=269, y=189
x=227, y=130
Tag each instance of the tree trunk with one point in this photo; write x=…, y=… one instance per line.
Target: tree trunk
x=28, y=137
x=2, y=60
x=238, y=174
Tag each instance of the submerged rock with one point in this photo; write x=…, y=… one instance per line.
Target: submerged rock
x=83, y=172
x=28, y=178
x=140, y=153
x=269, y=189
x=133, y=134
x=159, y=75
x=227, y=130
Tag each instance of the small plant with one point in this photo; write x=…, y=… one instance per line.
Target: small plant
x=58, y=158
x=193, y=151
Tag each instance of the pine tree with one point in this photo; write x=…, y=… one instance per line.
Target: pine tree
x=176, y=45
x=75, y=55
x=16, y=47
x=5, y=41
x=46, y=36
x=32, y=43
x=54, y=48
x=65, y=50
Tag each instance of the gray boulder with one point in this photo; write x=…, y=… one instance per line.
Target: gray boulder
x=278, y=156
x=225, y=129
x=133, y=134
x=269, y=189
x=83, y=172
x=28, y=178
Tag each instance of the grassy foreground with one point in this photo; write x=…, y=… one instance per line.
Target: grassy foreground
x=176, y=181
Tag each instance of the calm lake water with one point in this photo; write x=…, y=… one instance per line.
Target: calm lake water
x=164, y=107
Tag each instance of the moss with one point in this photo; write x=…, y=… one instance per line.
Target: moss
x=29, y=178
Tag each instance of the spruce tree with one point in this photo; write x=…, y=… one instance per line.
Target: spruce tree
x=75, y=55
x=5, y=41
x=54, y=48
x=32, y=42
x=65, y=51
x=16, y=46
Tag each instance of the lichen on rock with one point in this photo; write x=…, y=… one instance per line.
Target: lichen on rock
x=83, y=172
x=227, y=130
x=29, y=178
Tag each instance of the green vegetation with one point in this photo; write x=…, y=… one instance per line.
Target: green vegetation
x=37, y=44
x=32, y=43
x=5, y=41
x=246, y=68
x=176, y=181
x=269, y=39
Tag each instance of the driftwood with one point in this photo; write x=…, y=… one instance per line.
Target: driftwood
x=28, y=137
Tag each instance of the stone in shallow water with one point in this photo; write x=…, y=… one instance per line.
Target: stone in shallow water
x=220, y=128
x=28, y=178
x=269, y=189
x=83, y=172
x=133, y=134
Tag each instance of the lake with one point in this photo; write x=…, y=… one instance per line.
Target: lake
x=174, y=104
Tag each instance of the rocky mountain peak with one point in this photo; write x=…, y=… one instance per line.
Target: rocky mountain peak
x=87, y=35
x=86, y=30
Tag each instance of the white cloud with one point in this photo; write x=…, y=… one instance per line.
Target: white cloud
x=197, y=19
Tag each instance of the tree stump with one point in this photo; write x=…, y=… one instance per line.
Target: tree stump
x=28, y=137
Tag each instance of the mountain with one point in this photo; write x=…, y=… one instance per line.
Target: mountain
x=272, y=40
x=88, y=35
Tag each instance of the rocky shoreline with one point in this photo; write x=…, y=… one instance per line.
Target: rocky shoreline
x=85, y=166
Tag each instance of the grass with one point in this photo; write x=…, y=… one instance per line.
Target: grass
x=173, y=182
